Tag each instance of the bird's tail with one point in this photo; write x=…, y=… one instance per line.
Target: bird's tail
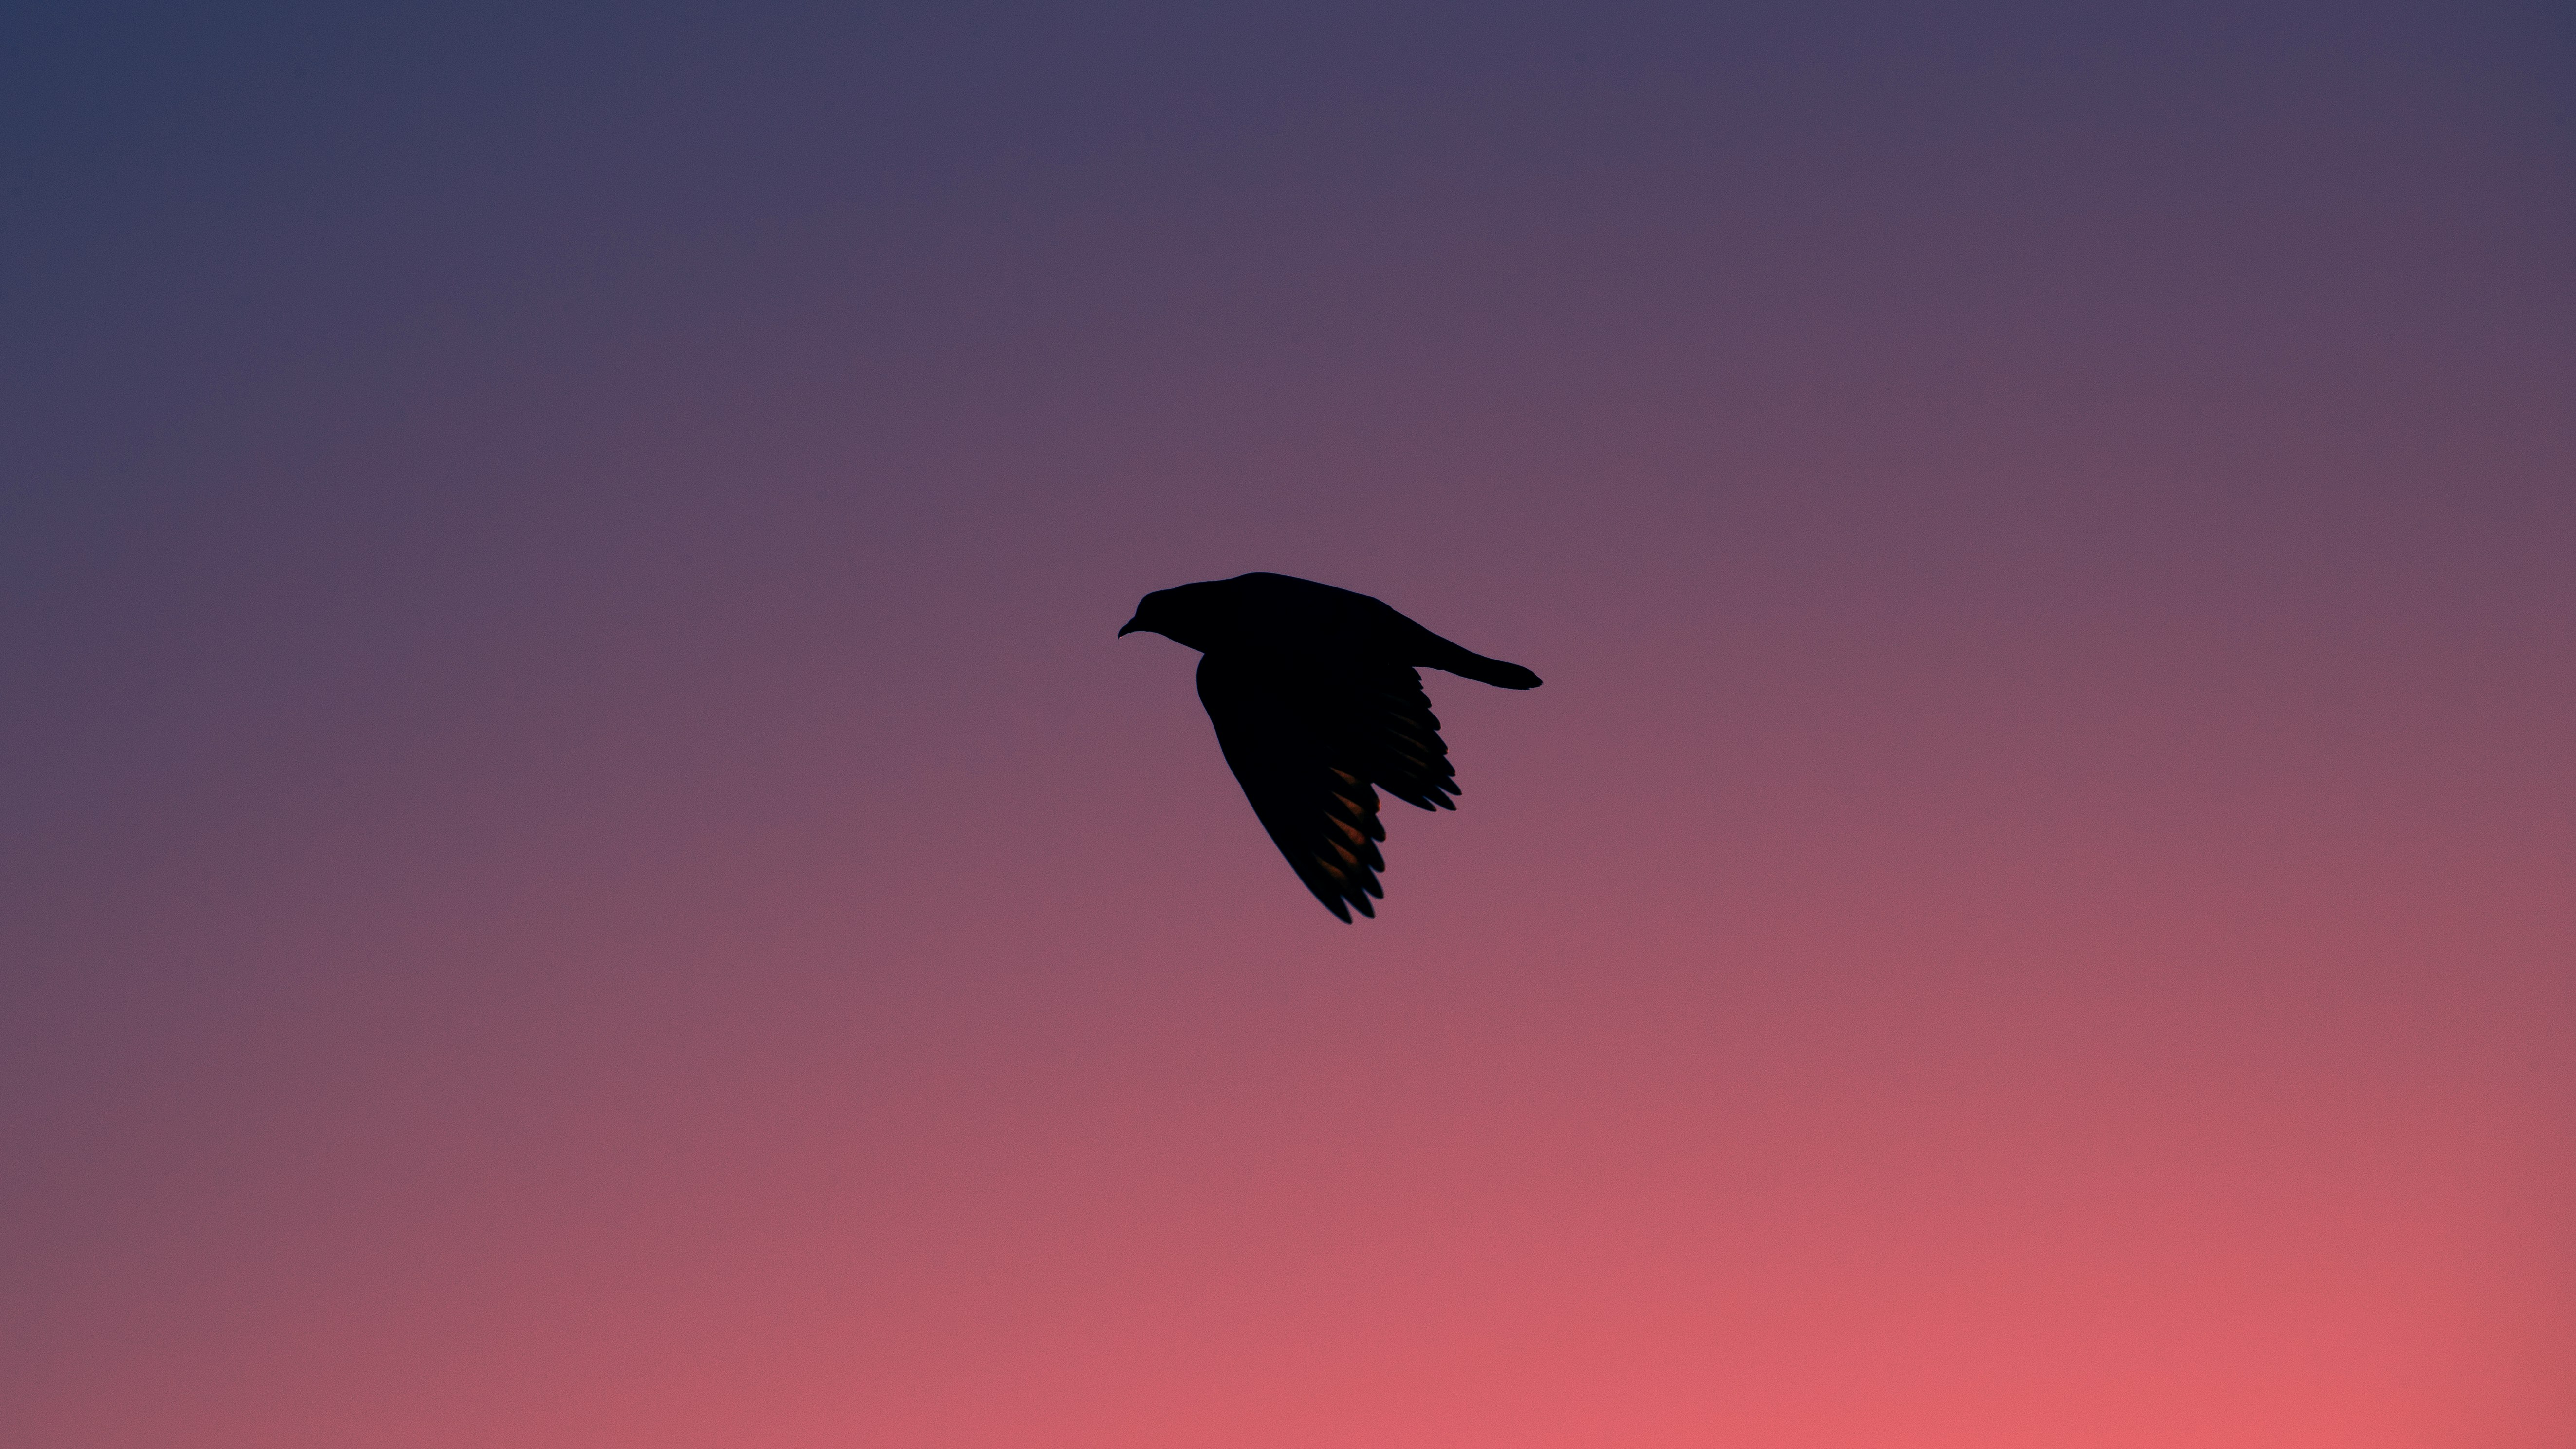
x=1481, y=669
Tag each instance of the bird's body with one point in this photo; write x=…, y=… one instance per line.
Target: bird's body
x=1317, y=704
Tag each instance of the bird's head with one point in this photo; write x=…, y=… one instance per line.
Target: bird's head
x=1176, y=614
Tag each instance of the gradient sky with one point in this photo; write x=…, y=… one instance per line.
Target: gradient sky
x=580, y=866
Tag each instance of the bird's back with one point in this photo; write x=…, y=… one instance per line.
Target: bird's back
x=1299, y=618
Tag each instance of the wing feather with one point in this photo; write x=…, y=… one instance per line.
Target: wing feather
x=1312, y=744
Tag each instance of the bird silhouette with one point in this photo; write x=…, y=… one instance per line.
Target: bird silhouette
x=1318, y=706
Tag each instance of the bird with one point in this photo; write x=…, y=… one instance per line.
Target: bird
x=1318, y=705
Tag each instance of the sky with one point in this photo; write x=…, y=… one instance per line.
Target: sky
x=580, y=864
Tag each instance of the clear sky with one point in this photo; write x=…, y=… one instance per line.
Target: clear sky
x=580, y=867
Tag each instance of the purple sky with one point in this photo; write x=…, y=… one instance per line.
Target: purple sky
x=581, y=865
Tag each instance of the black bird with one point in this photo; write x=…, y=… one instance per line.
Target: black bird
x=1317, y=706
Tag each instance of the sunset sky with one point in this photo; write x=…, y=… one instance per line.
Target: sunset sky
x=580, y=866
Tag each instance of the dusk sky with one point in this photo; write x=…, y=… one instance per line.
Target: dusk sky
x=580, y=866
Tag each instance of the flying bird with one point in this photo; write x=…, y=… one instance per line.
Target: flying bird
x=1317, y=706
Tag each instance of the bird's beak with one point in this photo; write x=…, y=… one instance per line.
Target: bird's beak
x=1127, y=628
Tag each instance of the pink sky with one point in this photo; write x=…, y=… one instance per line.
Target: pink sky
x=584, y=868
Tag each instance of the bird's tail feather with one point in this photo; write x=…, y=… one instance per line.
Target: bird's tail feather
x=1483, y=670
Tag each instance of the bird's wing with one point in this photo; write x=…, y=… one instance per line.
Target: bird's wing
x=1310, y=743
